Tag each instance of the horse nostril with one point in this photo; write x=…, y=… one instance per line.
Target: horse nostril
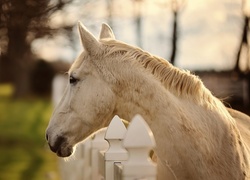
x=47, y=137
x=58, y=143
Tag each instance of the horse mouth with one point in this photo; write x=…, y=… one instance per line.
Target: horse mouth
x=66, y=152
x=61, y=147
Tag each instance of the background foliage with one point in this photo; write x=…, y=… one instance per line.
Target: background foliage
x=23, y=149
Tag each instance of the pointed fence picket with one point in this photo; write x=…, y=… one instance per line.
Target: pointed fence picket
x=116, y=153
x=139, y=140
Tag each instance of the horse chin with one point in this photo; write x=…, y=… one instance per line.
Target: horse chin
x=65, y=152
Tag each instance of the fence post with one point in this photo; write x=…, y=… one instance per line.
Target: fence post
x=116, y=152
x=85, y=150
x=139, y=140
x=98, y=144
x=77, y=166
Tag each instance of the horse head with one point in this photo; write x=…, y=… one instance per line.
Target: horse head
x=88, y=102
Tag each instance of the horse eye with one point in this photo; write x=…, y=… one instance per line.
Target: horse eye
x=72, y=80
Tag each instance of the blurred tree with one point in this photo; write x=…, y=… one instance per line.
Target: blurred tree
x=22, y=21
x=138, y=21
x=41, y=77
x=244, y=44
x=177, y=6
x=110, y=12
x=243, y=51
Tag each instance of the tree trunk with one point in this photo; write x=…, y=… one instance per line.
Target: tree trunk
x=138, y=22
x=18, y=55
x=110, y=12
x=242, y=43
x=174, y=37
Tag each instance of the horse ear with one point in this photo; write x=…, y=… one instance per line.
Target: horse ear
x=89, y=42
x=106, y=32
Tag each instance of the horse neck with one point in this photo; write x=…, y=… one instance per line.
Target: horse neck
x=175, y=120
x=148, y=82
x=143, y=94
x=140, y=92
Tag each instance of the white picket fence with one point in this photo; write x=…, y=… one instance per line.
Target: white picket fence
x=112, y=153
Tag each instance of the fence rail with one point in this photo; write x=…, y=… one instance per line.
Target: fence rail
x=114, y=153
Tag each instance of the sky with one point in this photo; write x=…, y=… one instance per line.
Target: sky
x=209, y=30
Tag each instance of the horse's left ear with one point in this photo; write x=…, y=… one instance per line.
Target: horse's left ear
x=89, y=42
x=106, y=32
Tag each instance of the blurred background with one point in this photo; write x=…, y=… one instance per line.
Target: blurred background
x=38, y=42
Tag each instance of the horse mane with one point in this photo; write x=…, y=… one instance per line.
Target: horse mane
x=179, y=82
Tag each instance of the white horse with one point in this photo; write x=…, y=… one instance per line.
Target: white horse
x=197, y=137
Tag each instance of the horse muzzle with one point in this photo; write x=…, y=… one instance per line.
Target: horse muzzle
x=59, y=146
